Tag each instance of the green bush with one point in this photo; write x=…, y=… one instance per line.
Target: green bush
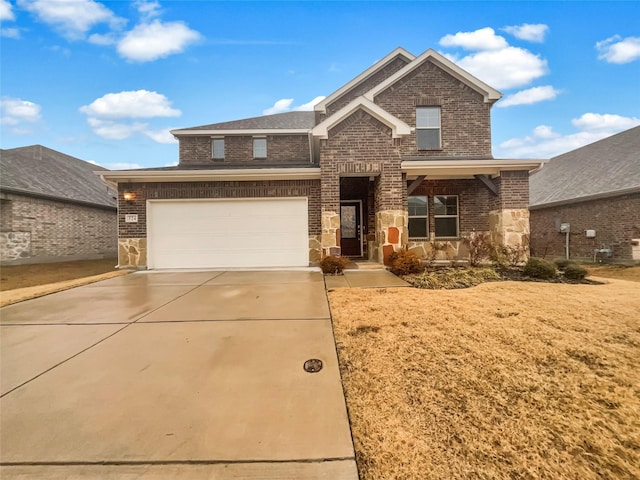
x=573, y=271
x=539, y=268
x=562, y=263
x=333, y=265
x=405, y=262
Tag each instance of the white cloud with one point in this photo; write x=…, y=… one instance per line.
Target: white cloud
x=161, y=136
x=510, y=67
x=15, y=111
x=6, y=11
x=151, y=41
x=618, y=50
x=282, y=105
x=10, y=32
x=74, y=18
x=131, y=104
x=122, y=166
x=482, y=39
x=112, y=130
x=103, y=39
x=529, y=32
x=529, y=96
x=307, y=107
x=544, y=142
x=147, y=9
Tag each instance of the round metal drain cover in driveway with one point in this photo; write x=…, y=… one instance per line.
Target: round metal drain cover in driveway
x=313, y=365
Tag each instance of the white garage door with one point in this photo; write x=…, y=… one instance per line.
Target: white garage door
x=265, y=232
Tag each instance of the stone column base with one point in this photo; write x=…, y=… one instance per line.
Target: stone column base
x=330, y=233
x=132, y=252
x=510, y=227
x=391, y=233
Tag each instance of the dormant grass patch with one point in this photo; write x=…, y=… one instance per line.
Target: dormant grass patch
x=504, y=380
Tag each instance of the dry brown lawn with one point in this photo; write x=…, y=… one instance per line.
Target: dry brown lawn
x=507, y=380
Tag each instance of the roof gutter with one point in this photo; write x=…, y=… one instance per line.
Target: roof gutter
x=247, y=131
x=586, y=198
x=466, y=168
x=253, y=174
x=55, y=198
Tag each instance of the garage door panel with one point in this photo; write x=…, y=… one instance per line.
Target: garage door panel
x=228, y=233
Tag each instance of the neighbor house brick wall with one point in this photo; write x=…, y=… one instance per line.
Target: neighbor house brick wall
x=473, y=202
x=362, y=146
x=55, y=231
x=188, y=190
x=616, y=221
x=465, y=117
x=284, y=150
x=366, y=85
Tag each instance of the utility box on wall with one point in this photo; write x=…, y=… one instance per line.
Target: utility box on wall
x=565, y=228
x=590, y=233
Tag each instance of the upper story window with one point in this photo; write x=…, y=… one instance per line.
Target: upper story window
x=217, y=148
x=260, y=147
x=418, y=217
x=445, y=212
x=428, y=128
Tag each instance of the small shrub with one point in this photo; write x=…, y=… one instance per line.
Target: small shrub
x=573, y=271
x=449, y=278
x=562, y=263
x=539, y=268
x=404, y=262
x=479, y=246
x=333, y=265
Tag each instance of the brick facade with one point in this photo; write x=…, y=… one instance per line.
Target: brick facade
x=282, y=150
x=38, y=230
x=199, y=190
x=465, y=117
x=616, y=221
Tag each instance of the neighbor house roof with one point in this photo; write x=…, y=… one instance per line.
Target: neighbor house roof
x=606, y=168
x=289, y=122
x=43, y=172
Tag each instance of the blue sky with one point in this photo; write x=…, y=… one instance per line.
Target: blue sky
x=106, y=81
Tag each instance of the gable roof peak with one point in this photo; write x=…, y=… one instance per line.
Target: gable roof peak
x=491, y=95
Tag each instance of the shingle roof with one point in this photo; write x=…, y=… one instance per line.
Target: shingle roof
x=38, y=170
x=285, y=121
x=602, y=168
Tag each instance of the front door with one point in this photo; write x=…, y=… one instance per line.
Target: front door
x=351, y=228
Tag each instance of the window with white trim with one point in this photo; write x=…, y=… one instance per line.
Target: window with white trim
x=217, y=148
x=445, y=213
x=418, y=217
x=260, y=147
x=428, y=128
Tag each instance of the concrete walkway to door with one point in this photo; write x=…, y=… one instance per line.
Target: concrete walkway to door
x=174, y=375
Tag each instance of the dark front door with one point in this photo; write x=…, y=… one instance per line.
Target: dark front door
x=351, y=228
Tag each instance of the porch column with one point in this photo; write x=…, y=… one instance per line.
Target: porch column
x=509, y=214
x=391, y=213
x=330, y=201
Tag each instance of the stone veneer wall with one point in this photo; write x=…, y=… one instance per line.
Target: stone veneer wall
x=132, y=236
x=509, y=214
x=38, y=230
x=616, y=221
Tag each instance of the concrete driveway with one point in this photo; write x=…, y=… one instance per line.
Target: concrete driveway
x=174, y=375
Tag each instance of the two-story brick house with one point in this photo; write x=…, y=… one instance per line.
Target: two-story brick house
x=398, y=157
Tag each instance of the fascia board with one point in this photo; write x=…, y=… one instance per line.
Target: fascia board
x=398, y=127
x=322, y=106
x=467, y=167
x=253, y=174
x=490, y=94
x=254, y=131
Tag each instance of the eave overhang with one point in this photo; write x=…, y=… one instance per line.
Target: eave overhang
x=585, y=198
x=460, y=168
x=398, y=127
x=251, y=131
x=490, y=94
x=253, y=174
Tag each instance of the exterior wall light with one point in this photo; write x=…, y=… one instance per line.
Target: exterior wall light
x=129, y=196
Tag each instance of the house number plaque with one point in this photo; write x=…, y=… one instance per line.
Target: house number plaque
x=131, y=218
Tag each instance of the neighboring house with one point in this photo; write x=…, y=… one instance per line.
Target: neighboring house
x=595, y=190
x=398, y=157
x=53, y=208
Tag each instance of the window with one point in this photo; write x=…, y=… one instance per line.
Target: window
x=218, y=148
x=418, y=217
x=445, y=212
x=259, y=148
x=428, y=128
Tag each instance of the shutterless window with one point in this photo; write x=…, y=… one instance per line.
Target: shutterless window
x=418, y=217
x=218, y=148
x=428, y=128
x=445, y=212
x=259, y=148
